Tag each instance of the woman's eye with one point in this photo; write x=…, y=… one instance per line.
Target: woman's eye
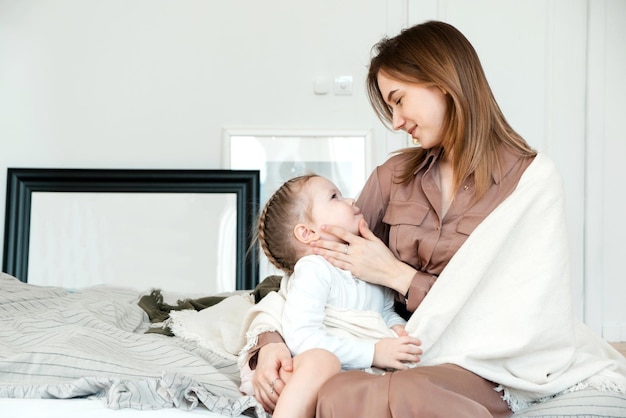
x=399, y=101
x=334, y=196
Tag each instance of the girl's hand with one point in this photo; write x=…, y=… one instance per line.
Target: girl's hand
x=400, y=330
x=394, y=353
x=367, y=257
x=266, y=381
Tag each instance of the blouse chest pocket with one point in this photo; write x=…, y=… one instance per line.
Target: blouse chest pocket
x=406, y=229
x=468, y=223
x=405, y=213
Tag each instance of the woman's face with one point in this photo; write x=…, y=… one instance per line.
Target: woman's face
x=416, y=109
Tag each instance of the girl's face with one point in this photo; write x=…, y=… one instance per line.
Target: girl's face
x=416, y=109
x=329, y=207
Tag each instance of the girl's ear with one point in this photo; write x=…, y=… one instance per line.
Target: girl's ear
x=305, y=234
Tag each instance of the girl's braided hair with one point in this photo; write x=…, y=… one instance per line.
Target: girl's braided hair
x=284, y=209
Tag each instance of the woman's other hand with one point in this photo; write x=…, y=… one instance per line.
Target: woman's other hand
x=266, y=381
x=365, y=256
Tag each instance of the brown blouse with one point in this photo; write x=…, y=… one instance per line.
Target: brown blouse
x=407, y=216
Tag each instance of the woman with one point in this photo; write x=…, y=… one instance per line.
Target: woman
x=469, y=231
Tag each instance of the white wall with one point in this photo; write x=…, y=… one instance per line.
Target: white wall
x=606, y=151
x=152, y=83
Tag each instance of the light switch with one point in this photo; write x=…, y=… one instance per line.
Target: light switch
x=343, y=85
x=321, y=85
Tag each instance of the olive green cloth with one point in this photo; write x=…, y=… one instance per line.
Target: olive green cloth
x=158, y=311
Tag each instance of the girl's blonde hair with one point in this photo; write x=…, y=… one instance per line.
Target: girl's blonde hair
x=437, y=54
x=284, y=209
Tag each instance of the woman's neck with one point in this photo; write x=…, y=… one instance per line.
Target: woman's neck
x=446, y=178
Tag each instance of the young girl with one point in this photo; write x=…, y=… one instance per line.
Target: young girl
x=331, y=319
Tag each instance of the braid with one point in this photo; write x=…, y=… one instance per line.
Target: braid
x=263, y=239
x=283, y=210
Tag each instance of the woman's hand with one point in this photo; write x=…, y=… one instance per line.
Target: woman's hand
x=365, y=256
x=266, y=381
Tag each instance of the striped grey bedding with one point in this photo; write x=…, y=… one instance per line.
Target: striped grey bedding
x=91, y=343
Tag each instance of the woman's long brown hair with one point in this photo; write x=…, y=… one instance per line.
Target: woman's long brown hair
x=437, y=54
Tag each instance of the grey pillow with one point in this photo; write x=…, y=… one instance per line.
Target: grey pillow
x=586, y=403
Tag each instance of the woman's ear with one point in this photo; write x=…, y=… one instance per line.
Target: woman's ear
x=305, y=234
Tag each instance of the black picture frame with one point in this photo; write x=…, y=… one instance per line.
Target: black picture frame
x=23, y=182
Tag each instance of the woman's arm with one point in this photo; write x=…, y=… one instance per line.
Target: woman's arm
x=266, y=352
x=271, y=355
x=420, y=285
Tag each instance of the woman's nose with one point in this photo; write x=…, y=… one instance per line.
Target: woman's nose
x=397, y=121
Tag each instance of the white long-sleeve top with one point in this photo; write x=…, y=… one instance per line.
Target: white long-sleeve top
x=316, y=284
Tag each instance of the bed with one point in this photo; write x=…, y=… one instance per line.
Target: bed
x=92, y=343
x=68, y=349
x=96, y=350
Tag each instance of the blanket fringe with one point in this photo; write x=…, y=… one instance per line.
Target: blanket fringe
x=602, y=385
x=517, y=404
x=252, y=339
